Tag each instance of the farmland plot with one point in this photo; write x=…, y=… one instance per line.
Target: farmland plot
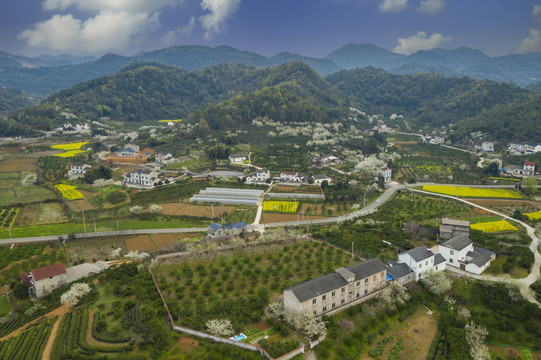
x=51, y=213
x=281, y=206
x=25, y=195
x=18, y=164
x=465, y=191
x=69, y=192
x=9, y=180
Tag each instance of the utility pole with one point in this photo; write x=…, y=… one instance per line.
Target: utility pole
x=352, y=249
x=94, y=224
x=117, y=226
x=364, y=201
x=211, y=212
x=9, y=232
x=180, y=203
x=84, y=223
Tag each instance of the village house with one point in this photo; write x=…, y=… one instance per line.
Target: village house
x=319, y=178
x=399, y=272
x=130, y=150
x=435, y=140
x=43, y=280
x=421, y=260
x=216, y=229
x=528, y=168
x=237, y=158
x=291, y=176
x=164, y=158
x=77, y=169
x=386, y=173
x=516, y=147
x=258, y=176
x=460, y=252
x=327, y=159
x=140, y=177
x=487, y=146
x=531, y=148
x=451, y=227
x=340, y=288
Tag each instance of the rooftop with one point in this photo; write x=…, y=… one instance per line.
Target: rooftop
x=458, y=242
x=321, y=177
x=419, y=253
x=447, y=221
x=477, y=259
x=48, y=271
x=397, y=270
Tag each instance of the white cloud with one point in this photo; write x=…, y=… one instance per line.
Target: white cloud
x=536, y=13
x=532, y=43
x=418, y=42
x=431, y=6
x=172, y=37
x=393, y=5
x=220, y=11
x=106, y=31
x=132, y=6
x=187, y=30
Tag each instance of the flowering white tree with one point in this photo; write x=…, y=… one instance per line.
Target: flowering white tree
x=155, y=208
x=394, y=294
x=304, y=322
x=29, y=180
x=75, y=294
x=464, y=313
x=116, y=252
x=476, y=335
x=437, y=282
x=369, y=166
x=219, y=327
x=135, y=210
x=132, y=255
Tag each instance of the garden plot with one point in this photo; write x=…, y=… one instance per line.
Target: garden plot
x=9, y=180
x=18, y=164
x=194, y=210
x=51, y=213
x=228, y=196
x=8, y=217
x=98, y=248
x=25, y=195
x=82, y=204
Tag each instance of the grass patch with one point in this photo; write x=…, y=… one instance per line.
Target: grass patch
x=4, y=306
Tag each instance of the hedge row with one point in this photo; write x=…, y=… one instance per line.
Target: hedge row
x=107, y=337
x=29, y=344
x=18, y=321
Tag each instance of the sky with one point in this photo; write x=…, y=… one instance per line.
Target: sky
x=268, y=27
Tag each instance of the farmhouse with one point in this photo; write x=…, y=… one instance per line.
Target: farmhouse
x=130, y=150
x=319, y=178
x=78, y=169
x=344, y=286
x=238, y=158
x=459, y=252
x=528, y=168
x=258, y=176
x=487, y=146
x=140, y=178
x=517, y=147
x=327, y=159
x=451, y=227
x=216, y=229
x=399, y=272
x=421, y=260
x=531, y=148
x=386, y=173
x=43, y=280
x=164, y=158
x=291, y=176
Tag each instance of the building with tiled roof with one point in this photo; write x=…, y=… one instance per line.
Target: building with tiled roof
x=422, y=260
x=452, y=227
x=460, y=252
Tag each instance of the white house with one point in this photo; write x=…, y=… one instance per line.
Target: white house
x=238, y=158
x=327, y=158
x=386, y=173
x=291, y=176
x=517, y=147
x=258, y=176
x=140, y=178
x=78, y=169
x=130, y=150
x=421, y=260
x=164, y=158
x=319, y=178
x=487, y=146
x=532, y=148
x=459, y=252
x=528, y=168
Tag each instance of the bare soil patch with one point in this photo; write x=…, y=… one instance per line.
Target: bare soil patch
x=321, y=209
x=140, y=243
x=297, y=189
x=51, y=213
x=274, y=218
x=165, y=240
x=141, y=157
x=418, y=332
x=18, y=164
x=98, y=248
x=186, y=343
x=193, y=210
x=27, y=215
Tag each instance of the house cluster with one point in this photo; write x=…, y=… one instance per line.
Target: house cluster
x=524, y=149
x=527, y=169
x=68, y=127
x=436, y=139
x=264, y=176
x=350, y=285
x=43, y=280
x=327, y=159
x=141, y=177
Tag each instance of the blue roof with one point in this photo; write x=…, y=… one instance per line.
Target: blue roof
x=126, y=149
x=532, y=145
x=236, y=225
x=215, y=226
x=389, y=277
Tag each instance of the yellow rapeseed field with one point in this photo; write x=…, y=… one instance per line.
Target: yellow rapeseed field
x=465, y=191
x=69, y=192
x=72, y=146
x=281, y=206
x=534, y=216
x=166, y=121
x=494, y=226
x=70, y=153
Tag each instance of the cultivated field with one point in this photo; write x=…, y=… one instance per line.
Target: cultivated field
x=69, y=192
x=25, y=195
x=50, y=213
x=140, y=243
x=82, y=204
x=280, y=206
x=276, y=218
x=464, y=191
x=194, y=210
x=166, y=240
x=17, y=164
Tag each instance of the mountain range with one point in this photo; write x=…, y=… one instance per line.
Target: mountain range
x=46, y=74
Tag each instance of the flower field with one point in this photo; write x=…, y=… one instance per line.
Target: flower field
x=281, y=206
x=72, y=146
x=166, y=121
x=464, y=191
x=70, y=153
x=534, y=216
x=69, y=192
x=494, y=226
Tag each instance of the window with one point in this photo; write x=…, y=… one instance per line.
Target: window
x=324, y=308
x=315, y=312
x=343, y=301
x=450, y=260
x=343, y=290
x=333, y=305
x=358, y=295
x=314, y=301
x=375, y=277
x=324, y=297
x=366, y=281
x=426, y=262
x=452, y=252
x=358, y=283
x=420, y=265
x=333, y=293
x=365, y=291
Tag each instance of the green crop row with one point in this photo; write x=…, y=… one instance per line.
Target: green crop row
x=107, y=337
x=29, y=344
x=18, y=321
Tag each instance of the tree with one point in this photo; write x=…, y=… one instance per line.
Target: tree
x=136, y=210
x=324, y=184
x=29, y=180
x=219, y=327
x=437, y=282
x=476, y=335
x=20, y=291
x=492, y=169
x=155, y=208
x=531, y=184
x=75, y=294
x=394, y=294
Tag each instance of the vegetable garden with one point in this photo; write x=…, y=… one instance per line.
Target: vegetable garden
x=8, y=216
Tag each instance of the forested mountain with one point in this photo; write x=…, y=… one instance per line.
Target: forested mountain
x=7, y=59
x=323, y=67
x=354, y=56
x=11, y=99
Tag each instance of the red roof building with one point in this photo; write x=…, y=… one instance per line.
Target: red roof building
x=48, y=271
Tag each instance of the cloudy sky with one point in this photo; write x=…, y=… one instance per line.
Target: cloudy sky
x=308, y=27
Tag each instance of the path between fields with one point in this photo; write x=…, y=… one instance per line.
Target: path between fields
x=50, y=341
x=59, y=311
x=524, y=283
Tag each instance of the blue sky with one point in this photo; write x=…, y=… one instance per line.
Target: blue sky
x=308, y=27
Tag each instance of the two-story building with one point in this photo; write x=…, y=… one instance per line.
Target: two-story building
x=451, y=227
x=78, y=169
x=129, y=150
x=291, y=176
x=386, y=173
x=421, y=260
x=342, y=287
x=140, y=177
x=237, y=158
x=43, y=280
x=460, y=252
x=529, y=168
x=258, y=176
x=164, y=158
